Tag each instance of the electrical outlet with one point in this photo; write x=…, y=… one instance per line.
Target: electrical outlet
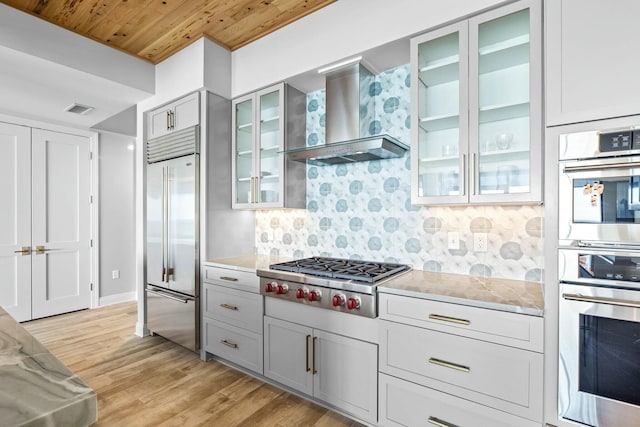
x=115, y=274
x=480, y=242
x=453, y=240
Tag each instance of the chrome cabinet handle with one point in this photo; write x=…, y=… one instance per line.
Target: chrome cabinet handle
x=449, y=365
x=168, y=120
x=603, y=166
x=449, y=319
x=438, y=422
x=229, y=344
x=167, y=295
x=463, y=175
x=472, y=175
x=602, y=300
x=26, y=250
x=228, y=279
x=229, y=307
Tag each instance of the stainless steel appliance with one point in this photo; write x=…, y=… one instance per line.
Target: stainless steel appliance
x=337, y=284
x=172, y=268
x=599, y=187
x=599, y=336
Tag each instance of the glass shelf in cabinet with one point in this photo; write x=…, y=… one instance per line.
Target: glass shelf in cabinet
x=503, y=59
x=495, y=113
x=498, y=156
x=520, y=40
x=269, y=177
x=244, y=127
x=272, y=125
x=436, y=123
x=244, y=153
x=433, y=76
x=440, y=159
x=244, y=179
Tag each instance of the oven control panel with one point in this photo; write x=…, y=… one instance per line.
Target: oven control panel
x=619, y=141
x=609, y=267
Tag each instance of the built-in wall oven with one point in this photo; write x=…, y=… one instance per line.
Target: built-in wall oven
x=599, y=187
x=599, y=278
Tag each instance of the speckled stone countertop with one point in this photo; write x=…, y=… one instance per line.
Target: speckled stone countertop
x=486, y=292
x=36, y=389
x=248, y=263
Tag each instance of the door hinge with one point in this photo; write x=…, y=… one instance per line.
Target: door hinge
x=91, y=242
x=90, y=155
x=92, y=287
x=90, y=199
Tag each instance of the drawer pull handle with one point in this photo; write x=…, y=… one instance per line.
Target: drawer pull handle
x=449, y=319
x=307, y=357
x=229, y=344
x=313, y=355
x=438, y=422
x=229, y=307
x=449, y=365
x=228, y=279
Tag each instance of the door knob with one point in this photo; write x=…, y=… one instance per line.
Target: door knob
x=40, y=250
x=26, y=250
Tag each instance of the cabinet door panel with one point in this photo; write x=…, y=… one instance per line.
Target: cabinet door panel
x=590, y=73
x=287, y=357
x=505, y=104
x=270, y=164
x=439, y=114
x=159, y=123
x=186, y=112
x=346, y=374
x=243, y=116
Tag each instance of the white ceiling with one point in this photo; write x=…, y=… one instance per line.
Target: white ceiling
x=45, y=68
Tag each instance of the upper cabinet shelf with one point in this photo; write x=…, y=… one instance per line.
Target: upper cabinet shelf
x=476, y=109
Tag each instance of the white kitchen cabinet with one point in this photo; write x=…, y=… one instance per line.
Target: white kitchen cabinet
x=403, y=403
x=232, y=317
x=335, y=369
x=477, y=109
x=490, y=360
x=590, y=72
x=178, y=115
x=265, y=123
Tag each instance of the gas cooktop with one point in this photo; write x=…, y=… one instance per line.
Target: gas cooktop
x=338, y=268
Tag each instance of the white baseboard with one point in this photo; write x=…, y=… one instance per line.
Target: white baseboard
x=141, y=330
x=117, y=298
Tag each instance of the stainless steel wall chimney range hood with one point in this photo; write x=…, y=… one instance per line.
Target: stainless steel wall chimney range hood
x=346, y=96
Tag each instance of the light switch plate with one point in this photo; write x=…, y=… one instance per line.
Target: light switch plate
x=453, y=240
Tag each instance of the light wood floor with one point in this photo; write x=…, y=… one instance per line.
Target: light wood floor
x=152, y=382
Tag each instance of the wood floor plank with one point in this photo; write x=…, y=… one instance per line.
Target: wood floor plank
x=153, y=382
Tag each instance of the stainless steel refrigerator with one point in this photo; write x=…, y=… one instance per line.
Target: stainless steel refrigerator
x=172, y=269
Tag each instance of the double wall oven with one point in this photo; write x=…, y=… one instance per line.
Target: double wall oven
x=599, y=275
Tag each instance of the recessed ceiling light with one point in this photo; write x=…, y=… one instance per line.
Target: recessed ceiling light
x=78, y=108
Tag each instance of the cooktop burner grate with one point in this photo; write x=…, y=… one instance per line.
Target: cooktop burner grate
x=337, y=268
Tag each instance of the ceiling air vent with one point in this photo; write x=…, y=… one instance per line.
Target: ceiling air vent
x=78, y=109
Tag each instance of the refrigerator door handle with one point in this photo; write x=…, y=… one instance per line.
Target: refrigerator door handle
x=164, y=294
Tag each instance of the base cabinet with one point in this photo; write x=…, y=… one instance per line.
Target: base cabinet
x=232, y=312
x=338, y=370
x=403, y=403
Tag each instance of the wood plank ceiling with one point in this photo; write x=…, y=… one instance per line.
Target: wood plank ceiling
x=155, y=29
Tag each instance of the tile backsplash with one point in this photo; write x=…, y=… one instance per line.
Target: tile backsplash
x=364, y=211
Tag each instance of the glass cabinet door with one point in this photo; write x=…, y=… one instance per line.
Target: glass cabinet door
x=244, y=160
x=270, y=142
x=439, y=84
x=504, y=106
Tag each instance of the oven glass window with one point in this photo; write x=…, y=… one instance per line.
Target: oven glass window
x=606, y=200
x=610, y=358
x=609, y=267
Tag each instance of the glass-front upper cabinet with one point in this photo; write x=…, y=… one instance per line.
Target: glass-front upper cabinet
x=477, y=111
x=260, y=134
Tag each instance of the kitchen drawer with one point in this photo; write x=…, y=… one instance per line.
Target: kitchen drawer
x=502, y=377
x=238, y=308
x=512, y=329
x=402, y=403
x=242, y=347
x=234, y=279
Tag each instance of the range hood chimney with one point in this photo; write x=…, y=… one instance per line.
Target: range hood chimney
x=347, y=105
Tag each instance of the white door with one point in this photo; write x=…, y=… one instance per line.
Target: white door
x=15, y=220
x=61, y=206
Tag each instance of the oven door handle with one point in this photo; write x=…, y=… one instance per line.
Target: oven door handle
x=602, y=300
x=618, y=165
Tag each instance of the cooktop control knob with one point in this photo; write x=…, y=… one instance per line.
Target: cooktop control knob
x=281, y=289
x=315, y=296
x=353, y=303
x=301, y=293
x=338, y=300
x=268, y=287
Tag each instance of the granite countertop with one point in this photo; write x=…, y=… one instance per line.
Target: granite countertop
x=248, y=263
x=37, y=389
x=517, y=296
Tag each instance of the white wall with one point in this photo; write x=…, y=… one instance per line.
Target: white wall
x=117, y=217
x=341, y=30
